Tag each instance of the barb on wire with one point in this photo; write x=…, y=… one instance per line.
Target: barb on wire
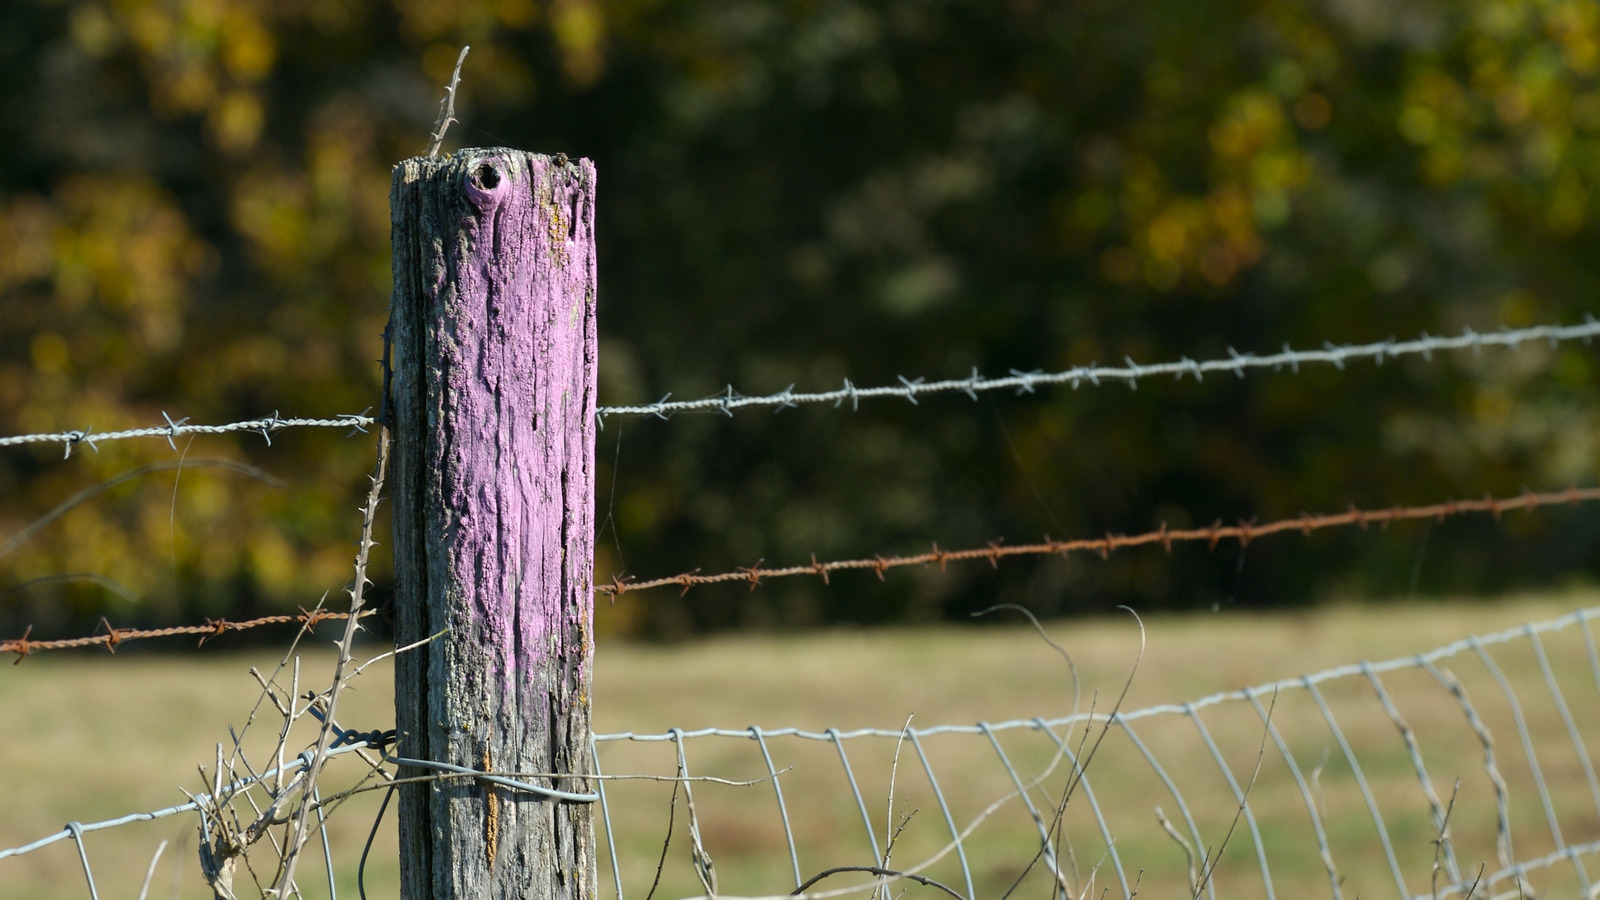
x=266, y=426
x=728, y=400
x=113, y=637
x=994, y=551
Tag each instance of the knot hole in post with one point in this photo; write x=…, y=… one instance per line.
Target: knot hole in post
x=484, y=182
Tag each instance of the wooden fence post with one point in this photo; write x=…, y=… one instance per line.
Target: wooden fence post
x=492, y=330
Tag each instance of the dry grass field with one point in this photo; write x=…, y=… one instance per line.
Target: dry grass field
x=89, y=736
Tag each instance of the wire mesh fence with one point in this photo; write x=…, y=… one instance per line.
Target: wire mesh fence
x=1463, y=771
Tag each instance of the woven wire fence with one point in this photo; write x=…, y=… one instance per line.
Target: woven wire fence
x=1460, y=772
x=1464, y=771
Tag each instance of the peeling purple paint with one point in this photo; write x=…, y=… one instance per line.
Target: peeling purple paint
x=515, y=438
x=494, y=396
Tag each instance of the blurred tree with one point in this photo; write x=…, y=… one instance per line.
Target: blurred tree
x=193, y=218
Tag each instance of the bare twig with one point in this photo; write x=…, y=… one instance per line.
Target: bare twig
x=1244, y=801
x=150, y=873
x=1080, y=763
x=369, y=513
x=88, y=493
x=1443, y=838
x=882, y=873
x=1188, y=852
x=672, y=815
x=447, y=107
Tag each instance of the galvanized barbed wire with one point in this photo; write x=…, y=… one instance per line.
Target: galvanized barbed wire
x=994, y=551
x=1024, y=382
x=908, y=389
x=266, y=426
x=113, y=637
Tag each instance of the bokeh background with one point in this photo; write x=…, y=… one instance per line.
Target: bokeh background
x=194, y=219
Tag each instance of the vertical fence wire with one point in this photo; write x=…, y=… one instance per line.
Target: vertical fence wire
x=1323, y=850
x=1558, y=697
x=83, y=856
x=1080, y=773
x=1533, y=758
x=1172, y=787
x=1361, y=781
x=949, y=820
x=1239, y=795
x=855, y=790
x=783, y=810
x=1436, y=809
x=1491, y=767
x=1047, y=844
x=605, y=816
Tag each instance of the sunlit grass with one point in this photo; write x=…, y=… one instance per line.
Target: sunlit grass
x=90, y=736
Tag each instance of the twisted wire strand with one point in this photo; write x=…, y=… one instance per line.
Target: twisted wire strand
x=908, y=389
x=113, y=637
x=1244, y=533
x=266, y=426
x=1025, y=382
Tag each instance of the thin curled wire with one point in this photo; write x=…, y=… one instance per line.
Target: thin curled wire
x=910, y=389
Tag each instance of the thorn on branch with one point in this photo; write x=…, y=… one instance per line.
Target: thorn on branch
x=447, y=107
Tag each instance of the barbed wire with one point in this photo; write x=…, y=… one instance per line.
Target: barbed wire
x=994, y=551
x=1025, y=382
x=112, y=636
x=908, y=389
x=266, y=427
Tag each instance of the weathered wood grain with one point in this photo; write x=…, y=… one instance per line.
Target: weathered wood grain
x=493, y=399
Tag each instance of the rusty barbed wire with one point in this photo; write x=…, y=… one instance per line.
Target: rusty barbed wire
x=113, y=636
x=728, y=400
x=1244, y=532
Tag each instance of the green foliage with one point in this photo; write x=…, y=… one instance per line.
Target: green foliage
x=193, y=218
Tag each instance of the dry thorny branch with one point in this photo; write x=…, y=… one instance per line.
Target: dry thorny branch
x=227, y=832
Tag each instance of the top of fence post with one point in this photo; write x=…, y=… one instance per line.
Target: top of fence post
x=492, y=325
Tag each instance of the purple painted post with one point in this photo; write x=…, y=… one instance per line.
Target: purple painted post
x=492, y=327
